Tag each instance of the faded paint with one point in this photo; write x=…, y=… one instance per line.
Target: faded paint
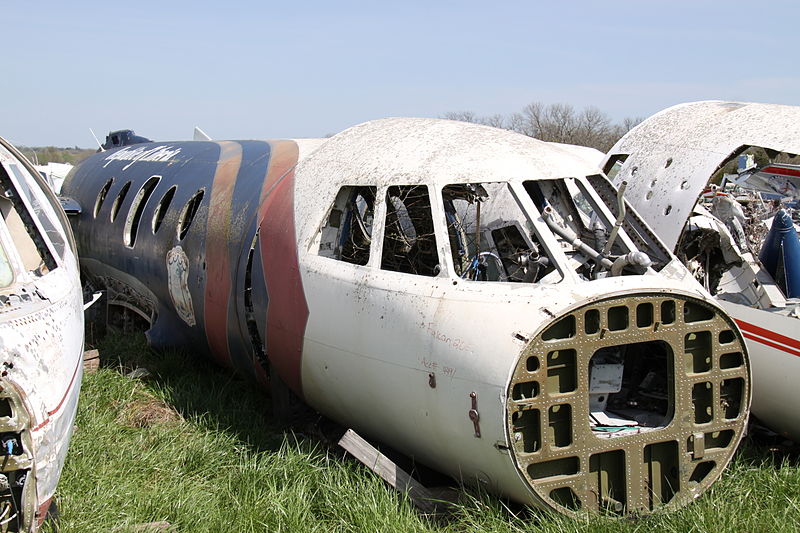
x=218, y=233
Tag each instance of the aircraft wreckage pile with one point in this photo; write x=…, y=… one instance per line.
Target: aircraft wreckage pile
x=484, y=302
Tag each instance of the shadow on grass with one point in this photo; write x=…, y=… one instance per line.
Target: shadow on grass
x=216, y=397
x=200, y=390
x=765, y=449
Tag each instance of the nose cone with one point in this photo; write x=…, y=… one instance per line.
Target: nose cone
x=628, y=404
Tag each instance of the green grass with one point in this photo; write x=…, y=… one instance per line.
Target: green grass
x=196, y=447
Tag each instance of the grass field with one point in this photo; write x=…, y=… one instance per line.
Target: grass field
x=195, y=447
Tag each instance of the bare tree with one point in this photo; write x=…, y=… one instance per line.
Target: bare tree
x=463, y=116
x=557, y=123
x=496, y=120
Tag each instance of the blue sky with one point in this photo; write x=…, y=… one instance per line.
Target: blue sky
x=307, y=69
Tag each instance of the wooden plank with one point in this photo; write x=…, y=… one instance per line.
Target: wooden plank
x=395, y=476
x=91, y=361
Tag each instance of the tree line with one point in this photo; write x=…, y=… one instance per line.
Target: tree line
x=41, y=155
x=560, y=123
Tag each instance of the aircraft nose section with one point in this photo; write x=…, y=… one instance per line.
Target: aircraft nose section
x=628, y=404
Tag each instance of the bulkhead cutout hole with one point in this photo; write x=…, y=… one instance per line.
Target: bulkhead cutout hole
x=566, y=497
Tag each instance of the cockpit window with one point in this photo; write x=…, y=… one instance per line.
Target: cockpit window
x=22, y=228
x=634, y=227
x=347, y=235
x=491, y=238
x=596, y=240
x=39, y=207
x=409, y=243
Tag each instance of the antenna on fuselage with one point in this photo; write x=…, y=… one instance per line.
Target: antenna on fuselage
x=200, y=135
x=99, y=144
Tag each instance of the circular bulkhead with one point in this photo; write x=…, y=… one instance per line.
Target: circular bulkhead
x=629, y=404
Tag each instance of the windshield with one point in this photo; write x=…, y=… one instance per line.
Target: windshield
x=559, y=225
x=22, y=227
x=492, y=238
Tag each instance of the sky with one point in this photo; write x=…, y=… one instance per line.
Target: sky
x=258, y=70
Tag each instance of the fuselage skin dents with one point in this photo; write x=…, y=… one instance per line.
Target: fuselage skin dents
x=41, y=342
x=472, y=297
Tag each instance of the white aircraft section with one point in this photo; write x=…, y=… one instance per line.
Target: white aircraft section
x=377, y=339
x=667, y=162
x=54, y=174
x=593, y=157
x=41, y=341
x=673, y=154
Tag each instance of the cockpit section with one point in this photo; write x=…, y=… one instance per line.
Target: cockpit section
x=531, y=231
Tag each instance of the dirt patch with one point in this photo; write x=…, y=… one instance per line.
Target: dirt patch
x=147, y=412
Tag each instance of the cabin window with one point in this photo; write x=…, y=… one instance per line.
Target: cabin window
x=136, y=209
x=161, y=208
x=188, y=213
x=119, y=199
x=347, y=234
x=101, y=197
x=409, y=243
x=23, y=229
x=491, y=238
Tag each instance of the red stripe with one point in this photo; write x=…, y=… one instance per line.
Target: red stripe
x=771, y=344
x=63, y=398
x=41, y=512
x=218, y=281
x=777, y=337
x=287, y=313
x=781, y=171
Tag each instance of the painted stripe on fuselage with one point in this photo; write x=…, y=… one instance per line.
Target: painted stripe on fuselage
x=287, y=314
x=256, y=156
x=770, y=338
x=219, y=282
x=781, y=171
x=58, y=407
x=41, y=511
